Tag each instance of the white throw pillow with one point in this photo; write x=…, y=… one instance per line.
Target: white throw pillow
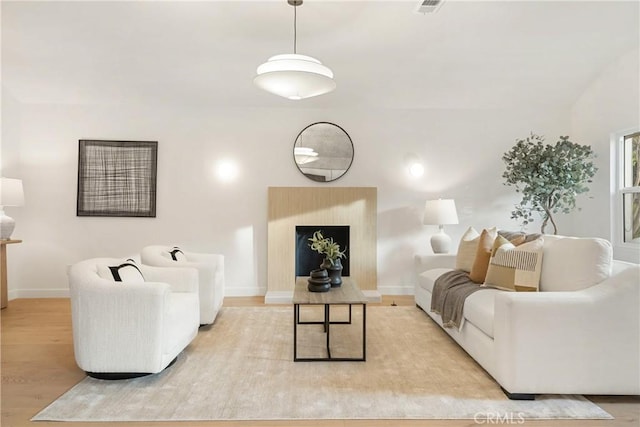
x=571, y=263
x=176, y=254
x=127, y=271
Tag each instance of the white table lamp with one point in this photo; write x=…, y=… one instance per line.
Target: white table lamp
x=440, y=212
x=11, y=194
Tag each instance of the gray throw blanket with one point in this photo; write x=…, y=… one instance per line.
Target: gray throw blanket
x=449, y=292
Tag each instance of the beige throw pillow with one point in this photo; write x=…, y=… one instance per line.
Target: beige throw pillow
x=518, y=237
x=517, y=240
x=467, y=249
x=483, y=254
x=515, y=268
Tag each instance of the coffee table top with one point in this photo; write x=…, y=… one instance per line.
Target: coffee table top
x=348, y=293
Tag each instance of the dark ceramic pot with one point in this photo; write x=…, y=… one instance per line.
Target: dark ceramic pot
x=334, y=270
x=318, y=285
x=319, y=274
x=318, y=281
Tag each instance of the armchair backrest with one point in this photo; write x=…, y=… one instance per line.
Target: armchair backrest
x=94, y=270
x=210, y=271
x=161, y=255
x=97, y=271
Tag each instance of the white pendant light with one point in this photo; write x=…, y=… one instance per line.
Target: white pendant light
x=294, y=76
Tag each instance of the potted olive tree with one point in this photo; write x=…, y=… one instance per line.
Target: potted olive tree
x=549, y=177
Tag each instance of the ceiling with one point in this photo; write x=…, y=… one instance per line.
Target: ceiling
x=467, y=55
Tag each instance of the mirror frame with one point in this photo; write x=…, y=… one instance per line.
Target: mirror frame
x=310, y=176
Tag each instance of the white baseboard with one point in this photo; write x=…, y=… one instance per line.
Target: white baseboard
x=247, y=291
x=372, y=296
x=397, y=290
x=278, y=297
x=38, y=293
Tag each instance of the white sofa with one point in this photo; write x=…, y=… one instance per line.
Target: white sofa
x=580, y=334
x=210, y=272
x=135, y=326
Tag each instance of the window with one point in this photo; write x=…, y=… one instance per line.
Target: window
x=629, y=188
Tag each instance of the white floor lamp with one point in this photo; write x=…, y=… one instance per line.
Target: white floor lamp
x=440, y=212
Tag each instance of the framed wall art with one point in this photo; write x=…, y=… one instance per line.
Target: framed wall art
x=117, y=178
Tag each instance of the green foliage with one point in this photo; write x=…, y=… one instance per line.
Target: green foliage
x=325, y=246
x=635, y=156
x=548, y=176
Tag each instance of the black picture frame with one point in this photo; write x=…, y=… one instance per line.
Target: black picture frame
x=117, y=178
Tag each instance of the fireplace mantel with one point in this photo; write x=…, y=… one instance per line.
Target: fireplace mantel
x=292, y=206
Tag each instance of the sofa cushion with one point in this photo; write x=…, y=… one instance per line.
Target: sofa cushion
x=571, y=263
x=427, y=279
x=478, y=309
x=515, y=268
x=467, y=249
x=483, y=254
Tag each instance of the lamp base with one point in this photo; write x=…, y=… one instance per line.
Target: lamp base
x=440, y=243
x=7, y=224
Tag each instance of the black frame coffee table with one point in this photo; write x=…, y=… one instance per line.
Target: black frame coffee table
x=347, y=294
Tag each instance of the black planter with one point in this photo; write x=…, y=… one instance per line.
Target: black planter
x=319, y=281
x=334, y=271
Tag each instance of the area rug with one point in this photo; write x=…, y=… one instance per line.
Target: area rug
x=241, y=368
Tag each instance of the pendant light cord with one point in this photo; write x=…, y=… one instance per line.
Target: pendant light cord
x=295, y=35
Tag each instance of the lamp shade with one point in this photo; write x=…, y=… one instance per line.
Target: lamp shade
x=440, y=212
x=11, y=192
x=294, y=76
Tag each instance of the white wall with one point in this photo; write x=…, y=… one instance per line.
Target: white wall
x=10, y=141
x=461, y=150
x=609, y=105
x=10, y=166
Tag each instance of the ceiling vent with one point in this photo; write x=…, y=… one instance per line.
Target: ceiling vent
x=429, y=6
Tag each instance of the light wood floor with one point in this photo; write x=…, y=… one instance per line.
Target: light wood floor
x=38, y=366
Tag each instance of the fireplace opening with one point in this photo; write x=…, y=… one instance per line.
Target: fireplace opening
x=308, y=259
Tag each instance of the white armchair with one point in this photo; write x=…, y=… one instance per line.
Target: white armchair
x=132, y=327
x=210, y=270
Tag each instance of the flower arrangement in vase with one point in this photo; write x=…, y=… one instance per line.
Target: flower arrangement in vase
x=332, y=256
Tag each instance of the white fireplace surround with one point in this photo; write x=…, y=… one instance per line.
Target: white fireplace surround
x=294, y=206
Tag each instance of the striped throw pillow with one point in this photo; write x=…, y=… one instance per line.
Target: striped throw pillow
x=515, y=268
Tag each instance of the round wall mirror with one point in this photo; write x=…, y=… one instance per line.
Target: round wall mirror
x=323, y=151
